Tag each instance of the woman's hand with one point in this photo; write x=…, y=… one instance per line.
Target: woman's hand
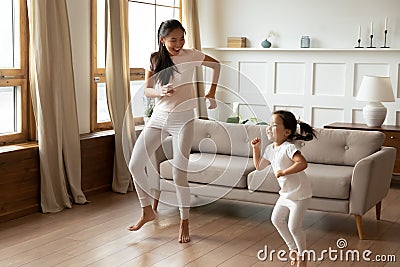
x=167, y=90
x=213, y=102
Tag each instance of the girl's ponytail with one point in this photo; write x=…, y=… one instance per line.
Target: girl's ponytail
x=306, y=132
x=299, y=130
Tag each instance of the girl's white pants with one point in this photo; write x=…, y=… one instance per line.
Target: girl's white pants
x=291, y=231
x=161, y=125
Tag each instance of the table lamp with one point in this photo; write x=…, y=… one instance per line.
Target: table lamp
x=375, y=89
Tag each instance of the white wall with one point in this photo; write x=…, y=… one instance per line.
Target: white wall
x=319, y=84
x=330, y=24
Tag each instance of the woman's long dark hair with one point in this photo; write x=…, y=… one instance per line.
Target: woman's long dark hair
x=160, y=61
x=290, y=122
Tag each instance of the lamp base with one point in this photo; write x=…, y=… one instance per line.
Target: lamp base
x=374, y=114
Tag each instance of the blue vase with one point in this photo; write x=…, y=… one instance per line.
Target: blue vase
x=266, y=44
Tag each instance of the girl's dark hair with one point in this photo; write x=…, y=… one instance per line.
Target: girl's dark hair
x=160, y=61
x=290, y=122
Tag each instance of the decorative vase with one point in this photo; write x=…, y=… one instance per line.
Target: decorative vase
x=266, y=44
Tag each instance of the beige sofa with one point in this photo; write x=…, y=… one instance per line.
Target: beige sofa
x=350, y=171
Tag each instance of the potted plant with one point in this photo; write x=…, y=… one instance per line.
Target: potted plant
x=148, y=111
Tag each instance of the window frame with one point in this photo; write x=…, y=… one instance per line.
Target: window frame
x=98, y=74
x=20, y=77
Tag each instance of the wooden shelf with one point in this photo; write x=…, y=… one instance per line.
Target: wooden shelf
x=303, y=49
x=361, y=126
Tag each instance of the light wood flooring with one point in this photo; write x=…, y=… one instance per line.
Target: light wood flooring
x=223, y=233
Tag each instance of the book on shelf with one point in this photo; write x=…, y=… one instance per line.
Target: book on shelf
x=236, y=42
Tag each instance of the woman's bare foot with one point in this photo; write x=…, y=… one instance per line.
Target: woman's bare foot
x=148, y=215
x=184, y=231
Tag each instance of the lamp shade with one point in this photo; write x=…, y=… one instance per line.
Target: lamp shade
x=375, y=89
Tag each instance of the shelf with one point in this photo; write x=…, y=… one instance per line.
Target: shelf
x=304, y=49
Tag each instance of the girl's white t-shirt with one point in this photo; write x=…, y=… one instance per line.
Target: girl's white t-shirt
x=293, y=186
x=182, y=82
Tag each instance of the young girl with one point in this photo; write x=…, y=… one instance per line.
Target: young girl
x=288, y=164
x=170, y=80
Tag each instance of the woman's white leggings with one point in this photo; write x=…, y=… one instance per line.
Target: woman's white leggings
x=291, y=232
x=161, y=125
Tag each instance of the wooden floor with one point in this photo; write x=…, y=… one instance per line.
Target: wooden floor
x=224, y=233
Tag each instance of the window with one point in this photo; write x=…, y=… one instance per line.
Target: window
x=144, y=18
x=14, y=104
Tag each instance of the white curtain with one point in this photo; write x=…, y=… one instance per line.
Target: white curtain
x=190, y=21
x=118, y=95
x=53, y=97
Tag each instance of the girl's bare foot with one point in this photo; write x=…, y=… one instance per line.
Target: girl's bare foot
x=293, y=257
x=148, y=215
x=302, y=263
x=184, y=231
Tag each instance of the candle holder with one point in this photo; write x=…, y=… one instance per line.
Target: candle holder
x=371, y=37
x=384, y=43
x=359, y=44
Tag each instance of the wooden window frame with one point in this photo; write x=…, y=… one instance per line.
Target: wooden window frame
x=98, y=74
x=20, y=77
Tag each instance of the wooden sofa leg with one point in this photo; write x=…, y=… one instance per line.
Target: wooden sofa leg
x=157, y=194
x=378, y=208
x=359, y=226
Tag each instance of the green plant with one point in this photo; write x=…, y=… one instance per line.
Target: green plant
x=254, y=121
x=149, y=110
x=233, y=119
x=148, y=106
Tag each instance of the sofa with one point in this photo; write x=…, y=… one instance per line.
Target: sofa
x=350, y=171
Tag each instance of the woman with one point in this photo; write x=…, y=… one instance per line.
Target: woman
x=170, y=80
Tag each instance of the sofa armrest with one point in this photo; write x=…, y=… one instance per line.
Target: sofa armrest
x=371, y=180
x=163, y=153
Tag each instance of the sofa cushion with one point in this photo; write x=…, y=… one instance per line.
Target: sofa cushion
x=341, y=147
x=330, y=181
x=263, y=180
x=327, y=181
x=226, y=138
x=214, y=169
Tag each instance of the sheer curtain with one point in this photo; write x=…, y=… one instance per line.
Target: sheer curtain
x=190, y=21
x=53, y=97
x=117, y=84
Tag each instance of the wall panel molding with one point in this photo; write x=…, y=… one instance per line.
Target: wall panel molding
x=321, y=84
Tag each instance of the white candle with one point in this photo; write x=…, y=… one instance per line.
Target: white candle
x=372, y=28
x=359, y=32
x=386, y=23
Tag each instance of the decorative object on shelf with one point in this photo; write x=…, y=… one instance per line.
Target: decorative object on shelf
x=385, y=31
x=359, y=38
x=371, y=36
x=375, y=89
x=267, y=43
x=236, y=42
x=305, y=41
